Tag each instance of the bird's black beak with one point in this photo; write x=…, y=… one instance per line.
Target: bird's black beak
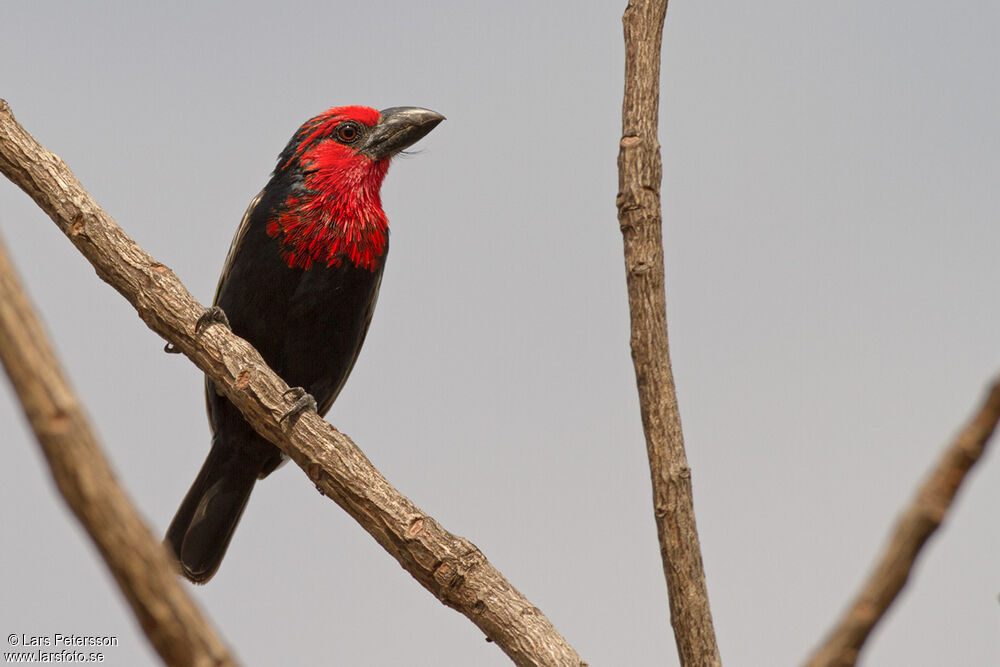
x=399, y=128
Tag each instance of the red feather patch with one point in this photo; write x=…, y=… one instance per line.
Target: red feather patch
x=339, y=215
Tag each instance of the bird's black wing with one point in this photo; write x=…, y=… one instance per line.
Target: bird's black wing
x=234, y=247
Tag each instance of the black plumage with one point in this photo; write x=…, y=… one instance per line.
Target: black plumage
x=307, y=314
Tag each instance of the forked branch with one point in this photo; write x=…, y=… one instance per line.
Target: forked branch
x=450, y=567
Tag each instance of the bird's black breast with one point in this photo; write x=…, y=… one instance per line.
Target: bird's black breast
x=307, y=324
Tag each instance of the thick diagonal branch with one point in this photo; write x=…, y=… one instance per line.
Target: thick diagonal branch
x=639, y=175
x=914, y=528
x=138, y=561
x=450, y=567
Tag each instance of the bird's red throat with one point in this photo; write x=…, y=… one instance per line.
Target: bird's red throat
x=338, y=215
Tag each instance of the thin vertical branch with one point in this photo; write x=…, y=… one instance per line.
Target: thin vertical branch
x=639, y=176
x=138, y=561
x=924, y=515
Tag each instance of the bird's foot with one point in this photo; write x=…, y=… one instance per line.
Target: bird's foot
x=213, y=315
x=301, y=401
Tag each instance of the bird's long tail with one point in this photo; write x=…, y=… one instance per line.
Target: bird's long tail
x=204, y=524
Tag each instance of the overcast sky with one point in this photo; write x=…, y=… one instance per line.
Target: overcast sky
x=831, y=241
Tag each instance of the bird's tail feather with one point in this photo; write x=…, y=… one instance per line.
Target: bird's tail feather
x=204, y=524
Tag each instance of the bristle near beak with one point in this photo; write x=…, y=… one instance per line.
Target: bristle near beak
x=399, y=128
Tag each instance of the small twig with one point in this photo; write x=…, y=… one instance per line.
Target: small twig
x=924, y=515
x=450, y=567
x=639, y=176
x=138, y=561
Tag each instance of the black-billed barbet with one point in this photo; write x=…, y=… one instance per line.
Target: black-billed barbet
x=300, y=283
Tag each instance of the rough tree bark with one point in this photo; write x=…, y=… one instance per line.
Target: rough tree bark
x=924, y=515
x=450, y=567
x=639, y=176
x=138, y=561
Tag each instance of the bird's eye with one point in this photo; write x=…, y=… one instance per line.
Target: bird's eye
x=348, y=132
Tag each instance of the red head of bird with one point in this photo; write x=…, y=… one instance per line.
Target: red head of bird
x=332, y=172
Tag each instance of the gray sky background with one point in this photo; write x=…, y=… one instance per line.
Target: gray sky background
x=830, y=206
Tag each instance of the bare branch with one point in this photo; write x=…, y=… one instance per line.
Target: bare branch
x=639, y=176
x=924, y=515
x=144, y=571
x=450, y=567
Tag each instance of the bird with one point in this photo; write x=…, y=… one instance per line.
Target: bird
x=299, y=283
